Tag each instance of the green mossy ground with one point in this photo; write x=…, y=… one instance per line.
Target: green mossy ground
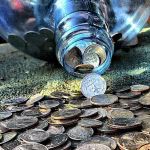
x=21, y=75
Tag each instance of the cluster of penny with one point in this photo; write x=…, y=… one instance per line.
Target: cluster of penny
x=120, y=120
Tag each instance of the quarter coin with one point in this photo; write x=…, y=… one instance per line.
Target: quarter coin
x=88, y=113
x=92, y=85
x=56, y=129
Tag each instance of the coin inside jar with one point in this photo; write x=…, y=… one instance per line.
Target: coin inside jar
x=84, y=68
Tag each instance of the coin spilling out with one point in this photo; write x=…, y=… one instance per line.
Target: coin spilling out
x=102, y=111
x=49, y=104
x=14, y=101
x=31, y=146
x=34, y=99
x=56, y=141
x=19, y=123
x=90, y=123
x=7, y=137
x=125, y=123
x=84, y=68
x=139, y=88
x=5, y=115
x=104, y=99
x=34, y=135
x=36, y=112
x=79, y=133
x=66, y=114
x=88, y=113
x=95, y=146
x=123, y=89
x=133, y=140
x=92, y=85
x=120, y=113
x=73, y=57
x=101, y=140
x=92, y=59
x=55, y=129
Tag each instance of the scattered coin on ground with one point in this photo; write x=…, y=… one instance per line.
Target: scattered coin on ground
x=120, y=113
x=18, y=123
x=31, y=146
x=56, y=141
x=55, y=129
x=95, y=146
x=34, y=99
x=102, y=140
x=88, y=113
x=36, y=112
x=133, y=140
x=128, y=95
x=8, y=136
x=92, y=85
x=5, y=115
x=49, y=104
x=80, y=133
x=34, y=135
x=139, y=88
x=90, y=123
x=66, y=114
x=104, y=99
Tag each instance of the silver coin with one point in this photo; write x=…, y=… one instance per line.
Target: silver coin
x=73, y=57
x=17, y=42
x=47, y=33
x=8, y=137
x=34, y=38
x=34, y=135
x=5, y=115
x=32, y=146
x=92, y=85
x=92, y=59
x=19, y=123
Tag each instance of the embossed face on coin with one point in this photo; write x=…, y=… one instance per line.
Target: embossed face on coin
x=92, y=85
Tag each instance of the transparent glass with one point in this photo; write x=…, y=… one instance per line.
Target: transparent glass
x=34, y=26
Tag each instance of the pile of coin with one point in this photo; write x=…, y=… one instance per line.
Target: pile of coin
x=68, y=121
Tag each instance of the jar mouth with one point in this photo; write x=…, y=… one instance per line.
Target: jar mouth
x=73, y=60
